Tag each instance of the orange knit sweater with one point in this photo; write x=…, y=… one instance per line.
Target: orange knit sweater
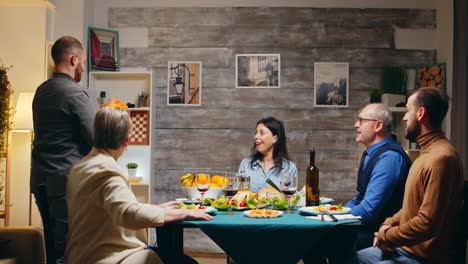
x=427, y=223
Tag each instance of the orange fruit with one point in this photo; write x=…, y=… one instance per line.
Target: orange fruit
x=214, y=178
x=223, y=181
x=214, y=185
x=203, y=178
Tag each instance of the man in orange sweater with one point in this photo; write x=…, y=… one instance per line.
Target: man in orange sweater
x=424, y=230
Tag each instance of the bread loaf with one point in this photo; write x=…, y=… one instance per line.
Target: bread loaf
x=244, y=195
x=263, y=192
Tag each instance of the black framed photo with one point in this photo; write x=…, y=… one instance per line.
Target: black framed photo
x=103, y=50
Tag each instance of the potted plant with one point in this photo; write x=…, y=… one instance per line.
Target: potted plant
x=5, y=125
x=132, y=169
x=375, y=95
x=393, y=85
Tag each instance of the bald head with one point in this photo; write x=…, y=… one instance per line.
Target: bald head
x=380, y=112
x=64, y=47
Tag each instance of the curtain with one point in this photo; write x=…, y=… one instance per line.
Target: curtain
x=460, y=82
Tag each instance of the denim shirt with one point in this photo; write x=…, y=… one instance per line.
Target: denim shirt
x=387, y=175
x=258, y=177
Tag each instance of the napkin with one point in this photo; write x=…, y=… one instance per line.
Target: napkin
x=338, y=217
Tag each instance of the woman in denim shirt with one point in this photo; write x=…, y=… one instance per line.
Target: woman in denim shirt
x=269, y=159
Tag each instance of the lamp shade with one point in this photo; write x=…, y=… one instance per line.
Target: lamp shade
x=22, y=117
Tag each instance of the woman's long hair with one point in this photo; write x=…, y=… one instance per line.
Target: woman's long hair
x=280, y=151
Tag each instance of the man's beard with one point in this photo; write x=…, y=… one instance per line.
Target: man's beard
x=412, y=133
x=77, y=75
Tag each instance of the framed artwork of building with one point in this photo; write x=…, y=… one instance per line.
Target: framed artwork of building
x=103, y=50
x=258, y=71
x=184, y=86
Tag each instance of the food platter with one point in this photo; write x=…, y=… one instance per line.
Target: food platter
x=318, y=210
x=274, y=213
x=225, y=208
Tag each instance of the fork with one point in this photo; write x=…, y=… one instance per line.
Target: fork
x=333, y=218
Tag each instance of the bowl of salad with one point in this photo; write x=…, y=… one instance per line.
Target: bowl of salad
x=280, y=203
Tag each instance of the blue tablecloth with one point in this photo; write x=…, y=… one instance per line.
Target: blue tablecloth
x=284, y=239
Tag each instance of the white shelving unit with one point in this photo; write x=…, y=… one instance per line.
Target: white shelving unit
x=126, y=86
x=399, y=127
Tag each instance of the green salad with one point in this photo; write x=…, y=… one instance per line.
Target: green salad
x=223, y=203
x=282, y=203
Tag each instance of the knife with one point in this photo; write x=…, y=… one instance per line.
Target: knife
x=273, y=185
x=332, y=217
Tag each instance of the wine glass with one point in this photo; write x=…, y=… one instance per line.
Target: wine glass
x=202, y=181
x=288, y=185
x=231, y=186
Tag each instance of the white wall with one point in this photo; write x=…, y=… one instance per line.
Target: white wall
x=23, y=46
x=444, y=39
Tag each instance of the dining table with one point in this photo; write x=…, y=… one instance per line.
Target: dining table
x=285, y=239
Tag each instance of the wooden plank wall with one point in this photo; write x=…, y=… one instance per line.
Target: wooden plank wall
x=219, y=134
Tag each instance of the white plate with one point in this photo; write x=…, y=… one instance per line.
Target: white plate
x=326, y=200
x=310, y=210
x=208, y=209
x=249, y=214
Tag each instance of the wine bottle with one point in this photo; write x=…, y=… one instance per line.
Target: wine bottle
x=312, y=182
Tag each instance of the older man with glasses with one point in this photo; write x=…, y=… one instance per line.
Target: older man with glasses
x=382, y=172
x=381, y=181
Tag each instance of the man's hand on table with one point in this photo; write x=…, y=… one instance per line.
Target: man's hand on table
x=379, y=243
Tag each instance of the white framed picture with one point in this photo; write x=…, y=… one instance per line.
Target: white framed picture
x=184, y=83
x=331, y=84
x=258, y=70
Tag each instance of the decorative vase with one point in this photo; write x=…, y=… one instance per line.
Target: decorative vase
x=132, y=172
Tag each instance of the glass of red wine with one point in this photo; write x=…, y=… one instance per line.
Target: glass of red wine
x=288, y=185
x=202, y=181
x=231, y=186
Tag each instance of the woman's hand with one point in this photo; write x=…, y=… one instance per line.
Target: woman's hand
x=169, y=204
x=174, y=215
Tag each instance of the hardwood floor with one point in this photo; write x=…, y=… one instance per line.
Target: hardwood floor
x=208, y=258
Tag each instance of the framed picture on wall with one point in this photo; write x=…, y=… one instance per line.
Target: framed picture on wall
x=258, y=70
x=184, y=83
x=49, y=62
x=103, y=49
x=431, y=75
x=331, y=84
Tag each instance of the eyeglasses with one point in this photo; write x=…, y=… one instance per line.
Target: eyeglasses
x=360, y=120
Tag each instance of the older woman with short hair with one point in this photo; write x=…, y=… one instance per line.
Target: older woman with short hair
x=107, y=224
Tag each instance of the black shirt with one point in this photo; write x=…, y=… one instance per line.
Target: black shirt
x=63, y=115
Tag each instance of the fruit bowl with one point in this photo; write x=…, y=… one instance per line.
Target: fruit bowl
x=192, y=192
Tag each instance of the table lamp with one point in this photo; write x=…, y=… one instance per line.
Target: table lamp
x=22, y=117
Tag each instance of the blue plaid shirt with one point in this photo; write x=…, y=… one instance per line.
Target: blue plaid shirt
x=258, y=177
